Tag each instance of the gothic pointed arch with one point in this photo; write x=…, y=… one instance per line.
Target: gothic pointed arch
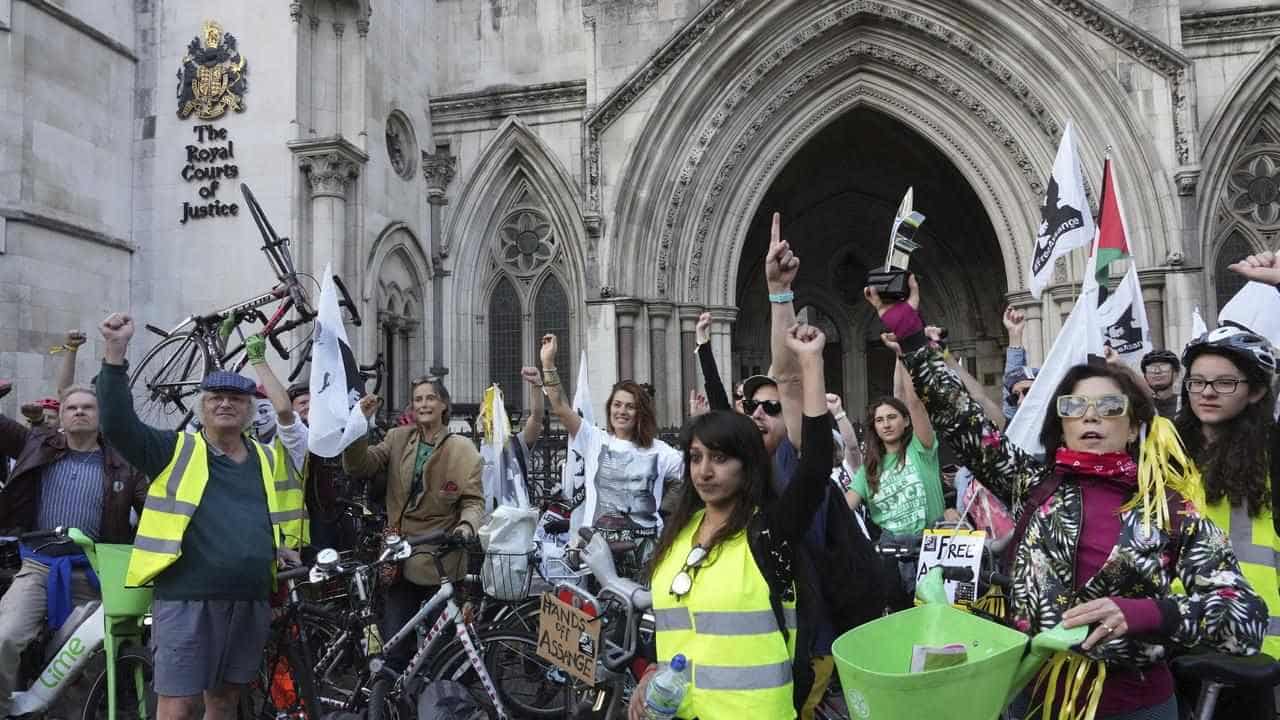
x=1240, y=210
x=394, y=294
x=733, y=113
x=518, y=216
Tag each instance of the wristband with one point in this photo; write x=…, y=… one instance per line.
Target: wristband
x=782, y=297
x=843, y=415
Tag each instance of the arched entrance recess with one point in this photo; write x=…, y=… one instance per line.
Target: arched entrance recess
x=771, y=75
x=837, y=196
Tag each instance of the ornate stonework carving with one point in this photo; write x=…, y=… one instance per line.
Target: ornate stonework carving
x=491, y=104
x=401, y=148
x=295, y=11
x=329, y=173
x=860, y=50
x=1151, y=52
x=439, y=169
x=526, y=241
x=1234, y=23
x=1253, y=190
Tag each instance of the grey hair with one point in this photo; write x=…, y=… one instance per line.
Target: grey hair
x=70, y=390
x=248, y=423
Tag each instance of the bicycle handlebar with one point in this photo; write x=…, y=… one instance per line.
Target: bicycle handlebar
x=301, y=572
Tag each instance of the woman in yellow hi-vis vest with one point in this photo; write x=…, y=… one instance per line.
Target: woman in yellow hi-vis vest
x=209, y=534
x=1226, y=423
x=722, y=579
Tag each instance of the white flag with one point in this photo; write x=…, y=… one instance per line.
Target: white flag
x=1065, y=220
x=335, y=420
x=502, y=478
x=1257, y=307
x=1079, y=338
x=573, y=476
x=1122, y=320
x=1198, y=328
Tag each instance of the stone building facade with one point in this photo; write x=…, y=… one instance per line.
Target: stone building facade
x=482, y=171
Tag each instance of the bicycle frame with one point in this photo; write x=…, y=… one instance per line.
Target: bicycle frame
x=436, y=635
x=65, y=666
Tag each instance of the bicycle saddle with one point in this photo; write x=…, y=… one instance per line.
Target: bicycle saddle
x=1254, y=671
x=557, y=526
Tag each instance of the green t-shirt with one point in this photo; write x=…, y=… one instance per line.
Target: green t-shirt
x=910, y=496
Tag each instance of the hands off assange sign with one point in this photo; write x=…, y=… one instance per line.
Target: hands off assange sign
x=211, y=81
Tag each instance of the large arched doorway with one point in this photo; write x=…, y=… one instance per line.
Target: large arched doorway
x=837, y=195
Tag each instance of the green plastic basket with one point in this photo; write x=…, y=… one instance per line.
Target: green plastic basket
x=874, y=663
x=112, y=566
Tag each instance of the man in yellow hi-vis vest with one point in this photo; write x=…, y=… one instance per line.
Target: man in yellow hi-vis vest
x=208, y=536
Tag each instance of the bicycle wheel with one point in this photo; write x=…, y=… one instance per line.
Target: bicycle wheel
x=383, y=705
x=135, y=692
x=166, y=384
x=529, y=686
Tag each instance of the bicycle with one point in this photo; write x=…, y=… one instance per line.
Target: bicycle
x=169, y=374
x=114, y=628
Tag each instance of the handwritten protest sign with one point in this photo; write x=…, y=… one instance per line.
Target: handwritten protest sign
x=569, y=638
x=953, y=548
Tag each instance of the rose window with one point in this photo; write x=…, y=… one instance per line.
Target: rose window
x=525, y=240
x=1254, y=190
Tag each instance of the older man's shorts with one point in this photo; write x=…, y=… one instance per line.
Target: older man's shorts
x=204, y=644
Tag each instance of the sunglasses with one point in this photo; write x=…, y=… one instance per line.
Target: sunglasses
x=772, y=408
x=682, y=583
x=1107, y=406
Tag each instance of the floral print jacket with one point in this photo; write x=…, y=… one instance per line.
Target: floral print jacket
x=1219, y=611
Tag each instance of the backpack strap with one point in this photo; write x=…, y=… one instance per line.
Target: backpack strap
x=1036, y=497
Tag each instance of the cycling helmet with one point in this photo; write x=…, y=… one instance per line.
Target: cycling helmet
x=1164, y=356
x=1236, y=342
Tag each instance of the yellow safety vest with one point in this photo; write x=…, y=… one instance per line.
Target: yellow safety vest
x=1258, y=550
x=726, y=628
x=175, y=494
x=291, y=489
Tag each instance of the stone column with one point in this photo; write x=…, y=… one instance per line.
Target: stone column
x=1152, y=283
x=439, y=170
x=722, y=319
x=688, y=345
x=627, y=310
x=362, y=84
x=339, y=29
x=664, y=381
x=329, y=175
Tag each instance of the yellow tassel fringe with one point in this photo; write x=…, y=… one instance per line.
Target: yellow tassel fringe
x=1080, y=687
x=1163, y=465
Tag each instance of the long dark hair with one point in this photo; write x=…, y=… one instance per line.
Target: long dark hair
x=735, y=435
x=875, y=446
x=1141, y=410
x=1237, y=465
x=646, y=418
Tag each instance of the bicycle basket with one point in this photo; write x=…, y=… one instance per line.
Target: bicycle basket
x=507, y=576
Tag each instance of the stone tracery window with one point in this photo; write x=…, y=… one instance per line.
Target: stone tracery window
x=526, y=242
x=505, y=357
x=1254, y=188
x=551, y=315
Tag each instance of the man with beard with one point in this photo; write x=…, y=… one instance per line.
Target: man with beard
x=1161, y=369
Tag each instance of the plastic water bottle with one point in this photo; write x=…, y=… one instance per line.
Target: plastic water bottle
x=666, y=690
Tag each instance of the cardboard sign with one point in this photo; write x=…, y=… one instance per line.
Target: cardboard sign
x=953, y=548
x=569, y=638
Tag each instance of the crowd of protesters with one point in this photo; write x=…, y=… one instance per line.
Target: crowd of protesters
x=767, y=511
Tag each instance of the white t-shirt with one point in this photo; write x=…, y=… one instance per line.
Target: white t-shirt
x=620, y=486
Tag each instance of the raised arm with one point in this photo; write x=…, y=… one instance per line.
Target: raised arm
x=780, y=268
x=1004, y=468
x=904, y=390
x=361, y=459
x=793, y=513
x=555, y=390
x=146, y=448
x=848, y=436
x=532, y=424
x=717, y=398
x=292, y=432
x=1015, y=356
x=67, y=371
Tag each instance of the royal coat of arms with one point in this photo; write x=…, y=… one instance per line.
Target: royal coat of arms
x=212, y=79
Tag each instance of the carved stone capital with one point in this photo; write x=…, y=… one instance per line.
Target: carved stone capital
x=314, y=22
x=339, y=29
x=627, y=309
x=362, y=27
x=329, y=174
x=439, y=170
x=594, y=225
x=1187, y=179
x=295, y=11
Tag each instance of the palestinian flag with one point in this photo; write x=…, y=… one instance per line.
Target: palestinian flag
x=1113, y=237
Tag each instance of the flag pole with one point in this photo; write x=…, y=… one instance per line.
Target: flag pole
x=1106, y=158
